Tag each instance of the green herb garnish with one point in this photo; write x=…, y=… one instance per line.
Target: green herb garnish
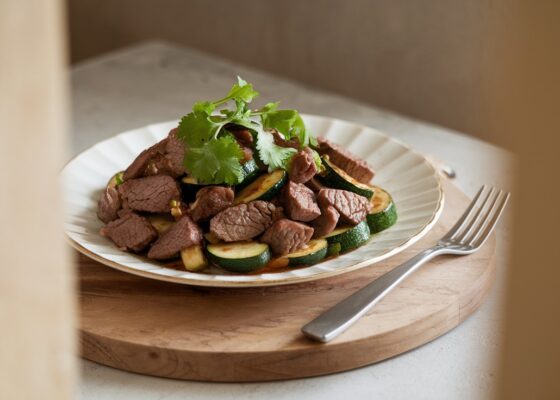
x=213, y=155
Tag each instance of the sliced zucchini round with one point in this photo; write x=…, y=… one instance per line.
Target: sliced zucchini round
x=251, y=172
x=265, y=187
x=383, y=213
x=239, y=256
x=344, y=239
x=315, y=251
x=337, y=178
x=193, y=258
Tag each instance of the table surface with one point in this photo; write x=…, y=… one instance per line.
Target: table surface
x=157, y=81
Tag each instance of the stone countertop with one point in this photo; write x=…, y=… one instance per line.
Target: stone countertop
x=157, y=81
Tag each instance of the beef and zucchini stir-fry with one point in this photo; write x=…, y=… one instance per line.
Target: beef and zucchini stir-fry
x=242, y=189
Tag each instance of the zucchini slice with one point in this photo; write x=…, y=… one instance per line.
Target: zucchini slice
x=265, y=187
x=342, y=240
x=383, y=213
x=239, y=256
x=315, y=251
x=250, y=172
x=193, y=258
x=161, y=223
x=337, y=178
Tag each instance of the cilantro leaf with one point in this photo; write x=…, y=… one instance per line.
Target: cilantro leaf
x=197, y=128
x=317, y=158
x=241, y=91
x=267, y=108
x=213, y=154
x=217, y=161
x=288, y=122
x=271, y=154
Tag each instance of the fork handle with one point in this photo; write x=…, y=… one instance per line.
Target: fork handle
x=341, y=316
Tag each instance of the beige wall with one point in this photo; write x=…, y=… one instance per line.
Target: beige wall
x=426, y=59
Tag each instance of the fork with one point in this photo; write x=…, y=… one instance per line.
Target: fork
x=465, y=237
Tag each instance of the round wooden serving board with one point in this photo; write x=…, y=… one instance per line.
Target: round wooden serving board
x=238, y=335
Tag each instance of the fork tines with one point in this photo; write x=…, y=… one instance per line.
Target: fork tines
x=480, y=218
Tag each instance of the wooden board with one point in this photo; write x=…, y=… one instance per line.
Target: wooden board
x=239, y=335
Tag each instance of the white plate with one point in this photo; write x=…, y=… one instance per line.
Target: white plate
x=411, y=180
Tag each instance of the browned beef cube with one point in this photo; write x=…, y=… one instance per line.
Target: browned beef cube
x=326, y=223
x=210, y=201
x=282, y=142
x=130, y=232
x=163, y=158
x=303, y=167
x=244, y=221
x=315, y=185
x=286, y=236
x=351, y=164
x=352, y=207
x=299, y=202
x=109, y=204
x=184, y=233
x=242, y=135
x=151, y=194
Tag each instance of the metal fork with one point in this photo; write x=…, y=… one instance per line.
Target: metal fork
x=467, y=236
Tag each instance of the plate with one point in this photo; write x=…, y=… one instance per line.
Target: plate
x=407, y=175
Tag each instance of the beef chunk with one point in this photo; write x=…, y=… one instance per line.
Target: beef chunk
x=210, y=201
x=247, y=154
x=303, y=166
x=352, y=165
x=315, y=185
x=173, y=156
x=286, y=236
x=244, y=221
x=326, y=223
x=280, y=141
x=184, y=233
x=163, y=158
x=299, y=202
x=352, y=207
x=151, y=194
x=244, y=139
x=130, y=231
x=242, y=135
x=138, y=167
x=109, y=204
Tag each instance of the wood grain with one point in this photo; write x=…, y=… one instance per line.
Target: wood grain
x=253, y=334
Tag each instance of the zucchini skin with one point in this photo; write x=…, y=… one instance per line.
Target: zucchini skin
x=189, y=188
x=386, y=216
x=311, y=258
x=240, y=265
x=382, y=220
x=349, y=239
x=251, y=171
x=336, y=178
x=246, y=194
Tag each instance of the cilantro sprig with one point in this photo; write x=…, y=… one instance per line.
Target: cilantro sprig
x=213, y=156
